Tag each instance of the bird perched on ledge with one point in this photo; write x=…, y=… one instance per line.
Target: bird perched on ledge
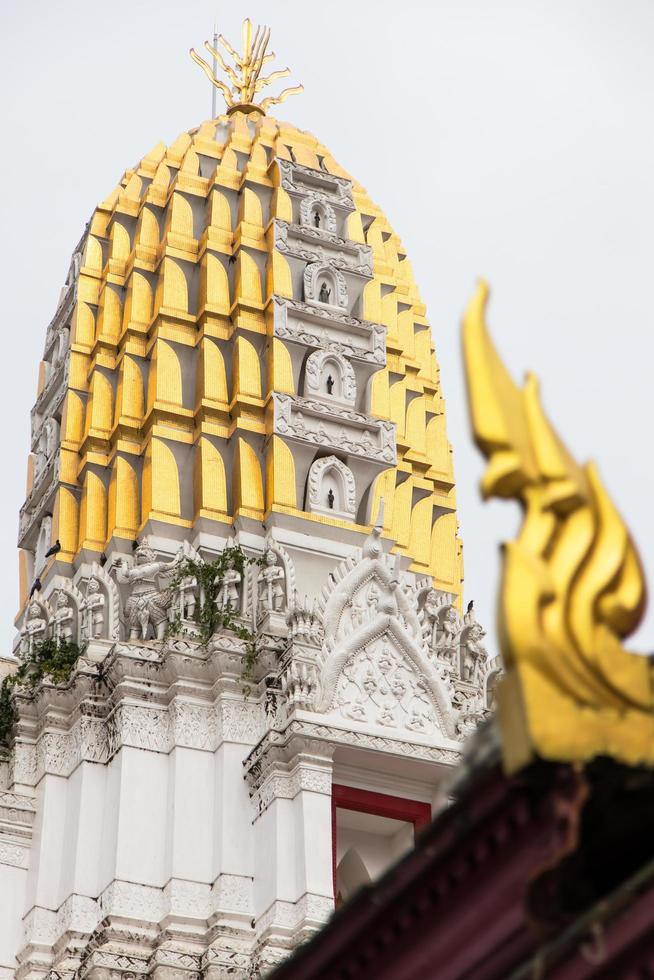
x=55, y=549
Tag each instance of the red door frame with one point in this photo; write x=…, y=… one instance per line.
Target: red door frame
x=378, y=805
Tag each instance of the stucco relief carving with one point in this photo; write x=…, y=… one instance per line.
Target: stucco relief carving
x=380, y=740
x=271, y=585
x=15, y=855
x=232, y=893
x=378, y=686
x=64, y=620
x=323, y=283
x=42, y=543
x=324, y=424
x=473, y=652
x=146, y=608
x=316, y=245
x=93, y=610
x=278, y=784
x=316, y=212
x=140, y=902
x=304, y=621
x=78, y=914
x=374, y=668
x=188, y=898
x=24, y=763
x=442, y=626
x=329, y=374
x=274, y=584
x=35, y=625
x=296, y=177
x=100, y=605
x=141, y=727
x=40, y=927
x=331, y=488
x=241, y=721
x=299, y=684
x=193, y=725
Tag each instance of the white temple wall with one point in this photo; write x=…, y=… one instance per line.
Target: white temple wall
x=313, y=850
x=232, y=831
x=13, y=882
x=141, y=844
x=190, y=809
x=48, y=843
x=110, y=822
x=85, y=807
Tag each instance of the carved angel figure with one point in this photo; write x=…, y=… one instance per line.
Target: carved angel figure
x=33, y=630
x=473, y=653
x=147, y=605
x=92, y=610
x=450, y=631
x=187, y=597
x=431, y=610
x=63, y=619
x=228, y=591
x=271, y=583
x=471, y=714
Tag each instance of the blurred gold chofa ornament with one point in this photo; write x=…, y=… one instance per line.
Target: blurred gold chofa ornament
x=245, y=78
x=572, y=584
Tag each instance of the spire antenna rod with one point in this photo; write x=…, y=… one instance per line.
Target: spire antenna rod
x=215, y=68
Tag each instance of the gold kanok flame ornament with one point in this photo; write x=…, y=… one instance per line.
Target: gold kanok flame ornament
x=572, y=583
x=246, y=79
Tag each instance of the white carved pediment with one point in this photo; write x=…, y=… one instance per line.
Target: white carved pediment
x=379, y=676
x=360, y=590
x=375, y=668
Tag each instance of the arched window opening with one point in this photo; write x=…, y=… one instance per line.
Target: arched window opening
x=371, y=831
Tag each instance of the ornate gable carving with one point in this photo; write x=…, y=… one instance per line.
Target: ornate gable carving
x=374, y=666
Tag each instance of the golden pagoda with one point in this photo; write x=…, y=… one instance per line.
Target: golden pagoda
x=168, y=413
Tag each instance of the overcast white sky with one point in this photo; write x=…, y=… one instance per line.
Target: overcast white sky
x=507, y=139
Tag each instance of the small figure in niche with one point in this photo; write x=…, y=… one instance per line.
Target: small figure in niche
x=330, y=385
x=325, y=293
x=330, y=499
x=316, y=218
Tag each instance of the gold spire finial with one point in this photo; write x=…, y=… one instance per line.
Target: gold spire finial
x=246, y=79
x=572, y=584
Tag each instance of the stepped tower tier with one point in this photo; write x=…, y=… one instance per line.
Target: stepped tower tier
x=240, y=529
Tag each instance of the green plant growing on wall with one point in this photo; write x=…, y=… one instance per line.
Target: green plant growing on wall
x=208, y=616
x=52, y=659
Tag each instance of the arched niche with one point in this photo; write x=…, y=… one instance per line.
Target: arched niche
x=330, y=375
x=316, y=212
x=325, y=286
x=331, y=489
x=43, y=543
